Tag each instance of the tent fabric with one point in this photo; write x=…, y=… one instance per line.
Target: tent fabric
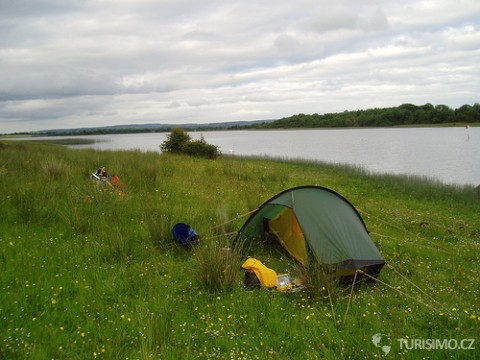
x=324, y=222
x=287, y=230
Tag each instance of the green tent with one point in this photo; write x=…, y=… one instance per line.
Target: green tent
x=316, y=223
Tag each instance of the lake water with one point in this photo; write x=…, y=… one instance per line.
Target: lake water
x=450, y=155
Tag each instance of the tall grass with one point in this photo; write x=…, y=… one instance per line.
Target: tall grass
x=160, y=222
x=218, y=267
x=88, y=273
x=317, y=281
x=54, y=169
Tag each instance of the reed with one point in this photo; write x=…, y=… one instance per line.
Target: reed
x=218, y=267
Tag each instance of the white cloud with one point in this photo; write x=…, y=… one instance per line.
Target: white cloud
x=71, y=64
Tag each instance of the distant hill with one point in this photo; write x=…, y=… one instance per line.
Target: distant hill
x=142, y=128
x=403, y=115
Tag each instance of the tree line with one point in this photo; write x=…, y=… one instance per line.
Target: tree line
x=406, y=114
x=403, y=115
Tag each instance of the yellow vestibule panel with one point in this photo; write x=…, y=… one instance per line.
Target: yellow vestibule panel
x=286, y=228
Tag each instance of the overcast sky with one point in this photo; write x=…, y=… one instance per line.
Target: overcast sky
x=69, y=64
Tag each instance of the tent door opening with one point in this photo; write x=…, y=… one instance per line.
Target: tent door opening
x=287, y=230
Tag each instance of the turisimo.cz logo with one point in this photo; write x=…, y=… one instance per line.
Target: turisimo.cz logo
x=436, y=344
x=382, y=341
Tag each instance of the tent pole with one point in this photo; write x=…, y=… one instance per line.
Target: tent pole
x=350, y=298
x=331, y=305
x=235, y=218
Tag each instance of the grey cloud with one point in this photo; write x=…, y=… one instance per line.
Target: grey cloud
x=198, y=102
x=110, y=62
x=173, y=105
x=57, y=82
x=36, y=8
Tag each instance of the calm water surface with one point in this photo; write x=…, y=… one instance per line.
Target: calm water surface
x=450, y=155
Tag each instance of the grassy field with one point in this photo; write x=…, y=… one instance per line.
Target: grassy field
x=87, y=272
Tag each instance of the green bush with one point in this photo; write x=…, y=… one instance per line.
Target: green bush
x=180, y=142
x=200, y=148
x=175, y=141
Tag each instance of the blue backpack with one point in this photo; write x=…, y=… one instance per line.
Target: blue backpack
x=184, y=234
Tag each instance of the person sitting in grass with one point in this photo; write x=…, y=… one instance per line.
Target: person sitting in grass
x=102, y=172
